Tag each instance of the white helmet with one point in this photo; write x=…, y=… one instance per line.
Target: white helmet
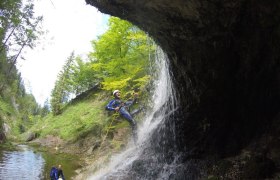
x=114, y=92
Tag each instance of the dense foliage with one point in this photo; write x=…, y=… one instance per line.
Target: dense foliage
x=19, y=28
x=119, y=60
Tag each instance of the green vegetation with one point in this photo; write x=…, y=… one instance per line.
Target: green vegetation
x=77, y=120
x=120, y=59
x=19, y=29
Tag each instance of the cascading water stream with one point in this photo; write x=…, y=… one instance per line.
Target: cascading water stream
x=163, y=104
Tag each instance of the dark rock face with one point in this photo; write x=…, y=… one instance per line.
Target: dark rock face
x=224, y=58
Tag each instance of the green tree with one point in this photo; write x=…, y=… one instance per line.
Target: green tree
x=62, y=89
x=19, y=28
x=121, y=56
x=120, y=60
x=82, y=76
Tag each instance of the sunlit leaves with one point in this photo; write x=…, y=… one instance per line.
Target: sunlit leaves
x=121, y=55
x=112, y=83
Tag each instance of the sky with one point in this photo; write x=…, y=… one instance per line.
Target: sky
x=71, y=25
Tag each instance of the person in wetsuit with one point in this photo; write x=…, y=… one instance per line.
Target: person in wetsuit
x=123, y=109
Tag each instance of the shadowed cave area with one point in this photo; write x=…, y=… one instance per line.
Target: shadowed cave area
x=224, y=58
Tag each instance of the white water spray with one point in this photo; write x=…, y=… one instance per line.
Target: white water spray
x=163, y=103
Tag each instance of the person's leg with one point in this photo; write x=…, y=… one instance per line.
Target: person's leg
x=136, y=111
x=134, y=130
x=132, y=123
x=128, y=103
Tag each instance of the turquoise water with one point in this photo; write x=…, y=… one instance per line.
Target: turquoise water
x=27, y=164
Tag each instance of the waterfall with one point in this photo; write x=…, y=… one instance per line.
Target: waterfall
x=131, y=163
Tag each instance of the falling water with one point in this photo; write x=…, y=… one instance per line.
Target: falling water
x=131, y=163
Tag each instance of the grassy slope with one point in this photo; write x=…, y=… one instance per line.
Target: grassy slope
x=77, y=120
x=82, y=118
x=84, y=124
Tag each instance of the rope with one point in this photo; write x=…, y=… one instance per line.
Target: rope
x=104, y=138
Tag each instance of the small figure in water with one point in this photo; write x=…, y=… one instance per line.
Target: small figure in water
x=123, y=108
x=53, y=173
x=57, y=173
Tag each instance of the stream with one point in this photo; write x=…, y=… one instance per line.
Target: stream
x=26, y=163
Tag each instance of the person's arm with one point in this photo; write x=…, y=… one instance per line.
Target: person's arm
x=131, y=102
x=110, y=105
x=56, y=174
